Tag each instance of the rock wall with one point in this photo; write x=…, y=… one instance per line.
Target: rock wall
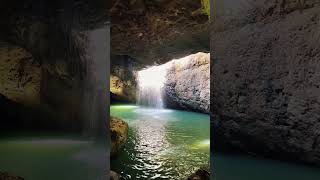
x=265, y=83
x=122, y=79
x=53, y=58
x=119, y=134
x=188, y=83
x=156, y=30
x=20, y=75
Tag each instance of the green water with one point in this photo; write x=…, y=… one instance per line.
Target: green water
x=52, y=158
x=162, y=144
x=241, y=167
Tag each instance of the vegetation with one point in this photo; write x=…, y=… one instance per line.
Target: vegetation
x=206, y=6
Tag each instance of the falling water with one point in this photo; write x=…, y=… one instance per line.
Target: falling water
x=150, y=86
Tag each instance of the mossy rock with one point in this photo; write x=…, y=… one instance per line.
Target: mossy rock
x=119, y=134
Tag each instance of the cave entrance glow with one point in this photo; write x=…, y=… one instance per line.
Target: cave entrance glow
x=150, y=86
x=167, y=127
x=152, y=81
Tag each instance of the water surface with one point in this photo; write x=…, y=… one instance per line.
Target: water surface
x=52, y=157
x=163, y=143
x=243, y=167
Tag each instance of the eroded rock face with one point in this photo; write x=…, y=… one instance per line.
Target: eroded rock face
x=20, y=75
x=158, y=30
x=119, y=134
x=188, y=83
x=122, y=79
x=49, y=57
x=265, y=84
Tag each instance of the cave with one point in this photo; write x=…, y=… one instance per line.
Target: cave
x=168, y=121
x=52, y=89
x=234, y=86
x=160, y=88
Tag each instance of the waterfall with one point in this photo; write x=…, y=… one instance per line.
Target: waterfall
x=150, y=86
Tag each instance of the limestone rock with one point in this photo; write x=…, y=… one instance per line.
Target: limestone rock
x=122, y=79
x=158, y=29
x=119, y=134
x=188, y=83
x=265, y=87
x=39, y=48
x=20, y=75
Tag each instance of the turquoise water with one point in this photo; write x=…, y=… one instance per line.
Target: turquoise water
x=162, y=143
x=52, y=158
x=241, y=167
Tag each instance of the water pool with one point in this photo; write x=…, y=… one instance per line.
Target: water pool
x=162, y=143
x=245, y=167
x=52, y=158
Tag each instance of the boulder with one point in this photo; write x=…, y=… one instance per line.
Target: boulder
x=119, y=134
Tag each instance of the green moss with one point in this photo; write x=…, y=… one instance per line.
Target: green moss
x=206, y=6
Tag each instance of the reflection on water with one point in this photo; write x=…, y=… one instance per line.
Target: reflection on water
x=162, y=144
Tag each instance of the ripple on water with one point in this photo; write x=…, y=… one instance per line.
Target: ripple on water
x=165, y=144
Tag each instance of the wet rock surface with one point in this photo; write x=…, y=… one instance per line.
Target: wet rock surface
x=200, y=174
x=115, y=176
x=188, y=83
x=265, y=82
x=119, y=134
x=122, y=79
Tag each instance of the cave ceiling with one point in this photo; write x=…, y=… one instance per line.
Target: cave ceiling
x=158, y=30
x=146, y=30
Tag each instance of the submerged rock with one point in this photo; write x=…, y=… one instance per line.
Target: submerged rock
x=7, y=176
x=200, y=174
x=115, y=176
x=119, y=134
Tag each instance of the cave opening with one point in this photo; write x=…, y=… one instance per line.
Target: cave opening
x=168, y=124
x=150, y=83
